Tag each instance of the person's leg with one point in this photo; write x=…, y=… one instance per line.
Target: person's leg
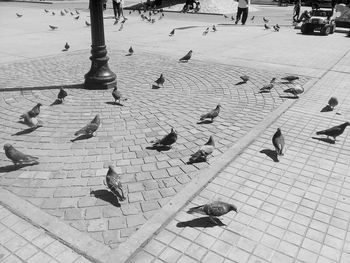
x=239, y=13
x=121, y=10
x=245, y=15
x=118, y=10
x=115, y=9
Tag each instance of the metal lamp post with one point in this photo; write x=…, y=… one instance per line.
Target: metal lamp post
x=99, y=76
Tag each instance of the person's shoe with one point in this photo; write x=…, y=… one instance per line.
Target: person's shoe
x=236, y=22
x=243, y=24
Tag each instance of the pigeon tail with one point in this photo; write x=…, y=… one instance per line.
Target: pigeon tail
x=197, y=209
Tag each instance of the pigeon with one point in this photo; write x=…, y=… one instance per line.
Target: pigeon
x=211, y=114
x=203, y=152
x=53, y=13
x=268, y=87
x=62, y=94
x=31, y=122
x=296, y=90
x=63, y=13
x=90, y=128
x=205, y=32
x=265, y=20
x=131, y=51
x=76, y=18
x=290, y=78
x=87, y=23
x=214, y=28
x=252, y=18
x=278, y=141
x=33, y=112
x=232, y=18
x=65, y=10
x=334, y=131
x=172, y=33
x=114, y=184
x=76, y=11
x=187, y=57
x=333, y=102
x=276, y=28
x=46, y=11
x=117, y=95
x=213, y=210
x=18, y=15
x=72, y=14
x=225, y=16
x=66, y=47
x=167, y=140
x=266, y=26
x=18, y=157
x=160, y=80
x=244, y=78
x=130, y=12
x=53, y=27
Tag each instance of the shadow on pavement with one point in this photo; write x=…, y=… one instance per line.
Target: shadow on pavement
x=200, y=222
x=327, y=140
x=271, y=153
x=240, y=83
x=114, y=103
x=106, y=196
x=205, y=122
x=326, y=108
x=289, y=97
x=11, y=168
x=82, y=137
x=26, y=131
x=159, y=148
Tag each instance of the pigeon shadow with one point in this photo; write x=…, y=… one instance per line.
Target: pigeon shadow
x=289, y=97
x=26, y=131
x=114, y=103
x=327, y=140
x=13, y=167
x=162, y=148
x=200, y=222
x=183, y=61
x=240, y=83
x=155, y=87
x=56, y=102
x=82, y=137
x=106, y=196
x=128, y=55
x=271, y=153
x=326, y=108
x=205, y=122
x=264, y=91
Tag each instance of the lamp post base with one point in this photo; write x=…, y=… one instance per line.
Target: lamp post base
x=99, y=76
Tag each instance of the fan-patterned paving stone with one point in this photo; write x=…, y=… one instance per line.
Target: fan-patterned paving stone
x=68, y=182
x=293, y=210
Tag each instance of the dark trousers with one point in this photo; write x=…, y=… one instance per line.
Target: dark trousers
x=241, y=11
x=116, y=9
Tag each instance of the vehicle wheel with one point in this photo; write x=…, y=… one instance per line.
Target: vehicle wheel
x=305, y=29
x=325, y=30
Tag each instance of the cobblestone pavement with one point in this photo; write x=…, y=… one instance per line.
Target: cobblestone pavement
x=22, y=242
x=68, y=172
x=295, y=210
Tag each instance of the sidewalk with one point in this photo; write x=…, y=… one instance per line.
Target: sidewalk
x=294, y=210
x=20, y=241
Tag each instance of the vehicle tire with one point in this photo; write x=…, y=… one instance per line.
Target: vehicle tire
x=305, y=29
x=326, y=30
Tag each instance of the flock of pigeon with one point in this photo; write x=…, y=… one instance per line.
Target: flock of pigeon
x=113, y=180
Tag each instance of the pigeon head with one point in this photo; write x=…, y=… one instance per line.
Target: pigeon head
x=115, y=88
x=190, y=52
x=218, y=106
x=39, y=104
x=347, y=124
x=7, y=146
x=273, y=80
x=173, y=131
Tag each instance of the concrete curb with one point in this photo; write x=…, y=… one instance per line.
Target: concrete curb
x=129, y=248
x=69, y=236
x=29, y=1
x=66, y=86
